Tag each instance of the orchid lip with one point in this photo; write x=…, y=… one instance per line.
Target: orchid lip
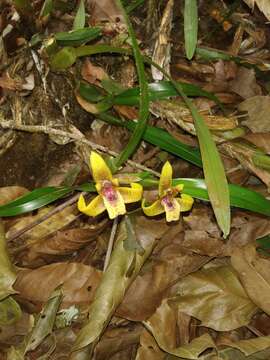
x=108, y=191
x=167, y=201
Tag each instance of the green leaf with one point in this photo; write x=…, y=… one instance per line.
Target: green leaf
x=213, y=168
x=63, y=59
x=136, y=136
x=23, y=5
x=159, y=91
x=79, y=21
x=33, y=200
x=46, y=8
x=77, y=37
x=239, y=196
x=45, y=321
x=160, y=138
x=190, y=27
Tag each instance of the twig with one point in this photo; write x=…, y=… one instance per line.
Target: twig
x=78, y=137
x=38, y=221
x=110, y=245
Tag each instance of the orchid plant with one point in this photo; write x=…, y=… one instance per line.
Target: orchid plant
x=113, y=197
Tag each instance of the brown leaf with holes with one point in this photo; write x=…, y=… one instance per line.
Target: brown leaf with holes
x=79, y=283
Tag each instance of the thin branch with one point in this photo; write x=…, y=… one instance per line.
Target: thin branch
x=78, y=137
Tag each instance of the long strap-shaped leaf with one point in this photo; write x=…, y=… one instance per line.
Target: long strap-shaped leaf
x=239, y=196
x=190, y=27
x=144, y=96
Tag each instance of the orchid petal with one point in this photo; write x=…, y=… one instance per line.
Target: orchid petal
x=94, y=208
x=131, y=194
x=100, y=169
x=116, y=207
x=185, y=202
x=165, y=181
x=152, y=210
x=172, y=211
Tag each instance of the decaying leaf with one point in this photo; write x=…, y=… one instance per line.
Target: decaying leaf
x=253, y=272
x=79, y=283
x=261, y=140
x=10, y=193
x=149, y=348
x=216, y=297
x=123, y=268
x=163, y=327
x=263, y=5
x=257, y=108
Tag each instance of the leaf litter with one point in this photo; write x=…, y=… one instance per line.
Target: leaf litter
x=171, y=290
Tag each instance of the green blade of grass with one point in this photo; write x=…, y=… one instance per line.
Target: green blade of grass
x=190, y=27
x=46, y=8
x=144, y=97
x=160, y=138
x=79, y=20
x=33, y=200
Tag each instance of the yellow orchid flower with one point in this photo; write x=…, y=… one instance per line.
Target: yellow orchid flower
x=168, y=201
x=111, y=196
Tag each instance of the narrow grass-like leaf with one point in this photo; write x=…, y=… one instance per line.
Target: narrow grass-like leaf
x=33, y=200
x=144, y=97
x=190, y=27
x=46, y=8
x=160, y=138
x=77, y=37
x=79, y=21
x=133, y=5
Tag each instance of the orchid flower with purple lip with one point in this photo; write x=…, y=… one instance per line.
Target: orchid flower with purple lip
x=168, y=201
x=111, y=196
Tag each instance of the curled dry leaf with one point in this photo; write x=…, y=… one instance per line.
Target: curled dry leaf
x=65, y=242
x=170, y=262
x=216, y=297
x=10, y=193
x=257, y=108
x=263, y=5
x=163, y=327
x=79, y=283
x=123, y=268
x=253, y=272
x=149, y=348
x=261, y=140
x=92, y=73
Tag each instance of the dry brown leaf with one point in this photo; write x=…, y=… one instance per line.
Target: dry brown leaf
x=105, y=10
x=10, y=193
x=92, y=73
x=245, y=83
x=170, y=263
x=263, y=5
x=149, y=348
x=261, y=140
x=253, y=272
x=65, y=242
x=79, y=283
x=45, y=228
x=257, y=108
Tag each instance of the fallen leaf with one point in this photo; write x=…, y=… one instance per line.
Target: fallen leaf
x=149, y=348
x=261, y=140
x=64, y=242
x=163, y=327
x=215, y=297
x=79, y=283
x=257, y=108
x=263, y=5
x=92, y=73
x=10, y=193
x=253, y=272
x=245, y=83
